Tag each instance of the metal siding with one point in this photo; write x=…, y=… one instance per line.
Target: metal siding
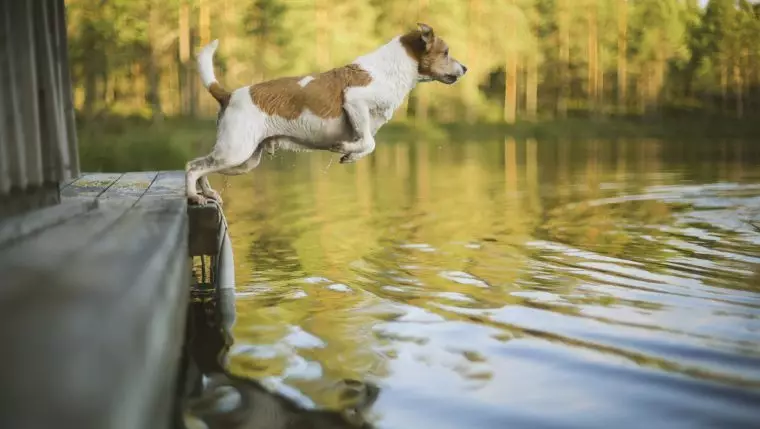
x=38, y=144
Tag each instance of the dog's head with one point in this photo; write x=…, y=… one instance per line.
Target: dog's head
x=432, y=56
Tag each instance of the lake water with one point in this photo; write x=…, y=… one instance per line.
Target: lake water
x=506, y=283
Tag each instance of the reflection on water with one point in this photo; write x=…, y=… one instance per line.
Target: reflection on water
x=493, y=284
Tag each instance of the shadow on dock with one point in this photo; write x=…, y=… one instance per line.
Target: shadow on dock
x=209, y=396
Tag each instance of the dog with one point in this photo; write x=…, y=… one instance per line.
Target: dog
x=339, y=110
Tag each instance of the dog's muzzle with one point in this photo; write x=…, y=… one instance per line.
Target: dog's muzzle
x=453, y=77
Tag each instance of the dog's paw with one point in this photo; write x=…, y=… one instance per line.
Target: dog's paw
x=348, y=158
x=213, y=195
x=342, y=147
x=271, y=146
x=197, y=199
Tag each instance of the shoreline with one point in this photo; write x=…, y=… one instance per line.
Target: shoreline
x=135, y=144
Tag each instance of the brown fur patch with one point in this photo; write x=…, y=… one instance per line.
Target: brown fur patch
x=323, y=96
x=431, y=58
x=220, y=94
x=414, y=45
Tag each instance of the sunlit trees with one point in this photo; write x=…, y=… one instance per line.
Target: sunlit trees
x=526, y=58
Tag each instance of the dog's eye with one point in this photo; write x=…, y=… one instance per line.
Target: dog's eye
x=446, y=52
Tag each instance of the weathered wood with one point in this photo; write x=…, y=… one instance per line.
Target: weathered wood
x=16, y=228
x=93, y=305
x=128, y=187
x=205, y=221
x=37, y=131
x=90, y=186
x=20, y=200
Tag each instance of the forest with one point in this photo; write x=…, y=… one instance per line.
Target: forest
x=527, y=59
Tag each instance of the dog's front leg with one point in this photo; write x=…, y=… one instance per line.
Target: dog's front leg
x=358, y=113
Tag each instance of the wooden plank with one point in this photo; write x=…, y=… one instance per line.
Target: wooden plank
x=90, y=186
x=92, y=313
x=167, y=183
x=80, y=197
x=67, y=182
x=128, y=187
x=29, y=198
x=18, y=227
x=204, y=229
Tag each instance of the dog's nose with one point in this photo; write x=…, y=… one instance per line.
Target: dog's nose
x=464, y=69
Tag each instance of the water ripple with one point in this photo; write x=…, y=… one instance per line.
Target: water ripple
x=508, y=284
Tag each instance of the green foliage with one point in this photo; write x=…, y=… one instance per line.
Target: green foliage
x=678, y=56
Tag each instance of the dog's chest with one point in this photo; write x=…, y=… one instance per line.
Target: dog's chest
x=381, y=114
x=382, y=106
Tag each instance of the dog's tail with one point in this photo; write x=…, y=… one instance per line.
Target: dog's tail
x=206, y=69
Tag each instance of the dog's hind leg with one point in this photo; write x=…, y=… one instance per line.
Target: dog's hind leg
x=237, y=170
x=207, y=191
x=197, y=170
x=248, y=165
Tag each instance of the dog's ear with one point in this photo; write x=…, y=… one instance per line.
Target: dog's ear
x=426, y=33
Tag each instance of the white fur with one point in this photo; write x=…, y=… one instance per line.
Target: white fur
x=244, y=129
x=241, y=129
x=205, y=61
x=394, y=75
x=305, y=81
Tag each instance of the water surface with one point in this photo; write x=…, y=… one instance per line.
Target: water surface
x=507, y=284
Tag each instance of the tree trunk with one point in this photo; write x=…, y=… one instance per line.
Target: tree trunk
x=204, y=32
x=641, y=89
x=600, y=87
x=724, y=87
x=323, y=34
x=139, y=86
x=510, y=93
x=91, y=65
x=739, y=88
x=422, y=99
x=204, y=22
x=90, y=93
x=473, y=56
x=193, y=81
x=593, y=60
x=531, y=89
x=564, y=57
x=105, y=90
x=153, y=97
x=225, y=34
x=622, y=59
x=184, y=57
x=658, y=87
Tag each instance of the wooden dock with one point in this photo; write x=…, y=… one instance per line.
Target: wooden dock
x=98, y=270
x=94, y=300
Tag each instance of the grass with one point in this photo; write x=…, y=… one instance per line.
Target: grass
x=135, y=144
x=118, y=144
